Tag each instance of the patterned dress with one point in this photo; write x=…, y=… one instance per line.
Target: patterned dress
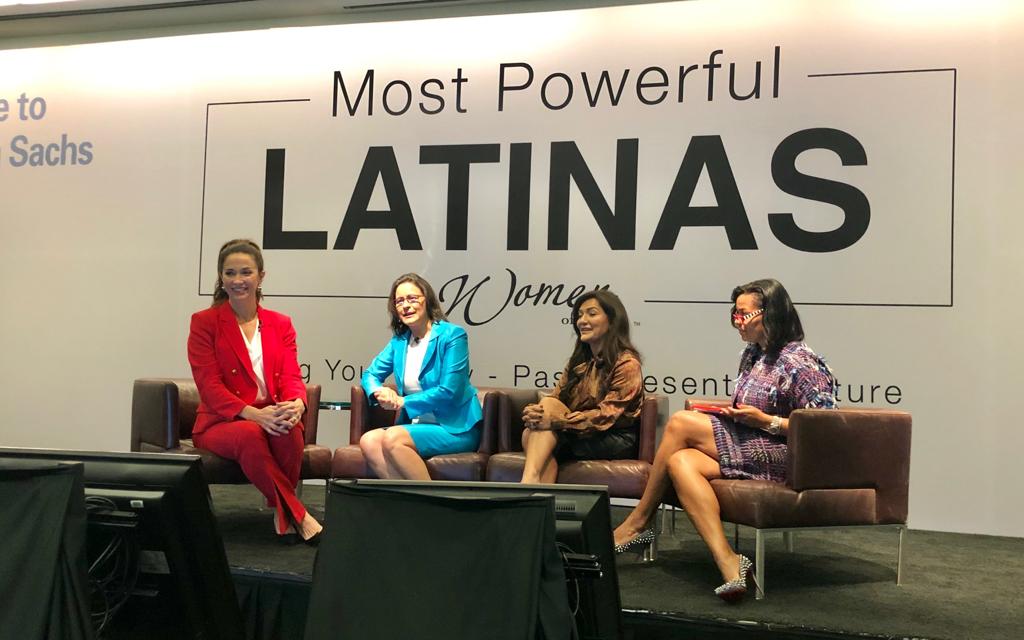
x=796, y=378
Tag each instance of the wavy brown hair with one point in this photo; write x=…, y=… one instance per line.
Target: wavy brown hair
x=238, y=245
x=616, y=342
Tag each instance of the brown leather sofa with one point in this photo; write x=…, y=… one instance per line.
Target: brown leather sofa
x=164, y=410
x=624, y=478
x=847, y=468
x=348, y=461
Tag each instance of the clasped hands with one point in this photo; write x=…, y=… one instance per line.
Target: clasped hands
x=278, y=419
x=389, y=398
x=536, y=418
x=748, y=415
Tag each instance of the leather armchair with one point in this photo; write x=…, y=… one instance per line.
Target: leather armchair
x=164, y=410
x=348, y=461
x=847, y=468
x=624, y=478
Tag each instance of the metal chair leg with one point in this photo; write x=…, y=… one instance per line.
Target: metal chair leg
x=899, y=557
x=759, y=582
x=668, y=518
x=651, y=552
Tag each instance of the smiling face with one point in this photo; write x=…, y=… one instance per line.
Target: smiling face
x=240, y=278
x=411, y=306
x=592, y=324
x=749, y=319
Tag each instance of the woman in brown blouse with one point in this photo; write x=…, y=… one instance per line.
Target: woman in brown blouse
x=594, y=411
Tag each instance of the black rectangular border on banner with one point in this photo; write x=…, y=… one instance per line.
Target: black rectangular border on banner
x=202, y=214
x=952, y=207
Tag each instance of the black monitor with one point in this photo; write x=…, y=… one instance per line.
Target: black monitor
x=165, y=501
x=582, y=526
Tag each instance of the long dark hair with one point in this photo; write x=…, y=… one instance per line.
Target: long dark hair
x=781, y=321
x=433, y=305
x=616, y=341
x=238, y=245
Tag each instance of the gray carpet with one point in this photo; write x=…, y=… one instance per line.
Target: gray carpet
x=954, y=586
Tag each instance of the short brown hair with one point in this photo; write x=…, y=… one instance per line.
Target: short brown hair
x=433, y=305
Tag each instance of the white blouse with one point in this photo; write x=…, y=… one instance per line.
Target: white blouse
x=414, y=355
x=255, y=349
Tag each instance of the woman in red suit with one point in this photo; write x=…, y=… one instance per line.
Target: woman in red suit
x=252, y=395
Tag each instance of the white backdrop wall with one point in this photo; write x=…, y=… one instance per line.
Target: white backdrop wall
x=890, y=134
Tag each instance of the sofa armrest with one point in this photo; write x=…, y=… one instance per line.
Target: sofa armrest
x=653, y=412
x=492, y=403
x=363, y=417
x=358, y=414
x=154, y=414
x=510, y=428
x=850, y=449
x=311, y=416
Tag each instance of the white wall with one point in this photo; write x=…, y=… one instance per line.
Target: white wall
x=100, y=264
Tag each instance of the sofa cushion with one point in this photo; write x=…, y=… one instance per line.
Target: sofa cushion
x=768, y=505
x=624, y=478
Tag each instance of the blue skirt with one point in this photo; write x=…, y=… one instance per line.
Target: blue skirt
x=433, y=439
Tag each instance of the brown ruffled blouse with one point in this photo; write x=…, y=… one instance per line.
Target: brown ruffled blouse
x=618, y=408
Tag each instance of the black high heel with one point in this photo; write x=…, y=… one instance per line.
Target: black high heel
x=643, y=542
x=313, y=540
x=296, y=527
x=289, y=539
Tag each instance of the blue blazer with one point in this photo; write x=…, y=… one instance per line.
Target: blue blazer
x=444, y=378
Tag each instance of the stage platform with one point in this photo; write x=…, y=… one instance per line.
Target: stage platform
x=834, y=585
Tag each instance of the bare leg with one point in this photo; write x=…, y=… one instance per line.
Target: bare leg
x=691, y=472
x=540, y=464
x=372, y=445
x=684, y=430
x=403, y=460
x=539, y=444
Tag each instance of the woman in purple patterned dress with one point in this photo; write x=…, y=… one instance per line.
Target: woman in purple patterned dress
x=778, y=373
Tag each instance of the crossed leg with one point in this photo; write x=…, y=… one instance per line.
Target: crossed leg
x=401, y=456
x=391, y=453
x=271, y=463
x=688, y=460
x=372, y=446
x=539, y=446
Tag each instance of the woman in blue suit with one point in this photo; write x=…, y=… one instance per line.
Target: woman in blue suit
x=429, y=357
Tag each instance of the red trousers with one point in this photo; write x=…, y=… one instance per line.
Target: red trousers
x=272, y=463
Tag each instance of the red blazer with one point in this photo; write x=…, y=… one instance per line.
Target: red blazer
x=222, y=368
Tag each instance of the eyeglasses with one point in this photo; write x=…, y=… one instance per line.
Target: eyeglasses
x=413, y=300
x=744, y=318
